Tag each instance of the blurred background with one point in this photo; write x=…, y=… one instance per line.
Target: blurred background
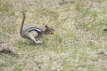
x=79, y=35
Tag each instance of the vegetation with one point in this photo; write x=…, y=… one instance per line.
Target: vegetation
x=78, y=38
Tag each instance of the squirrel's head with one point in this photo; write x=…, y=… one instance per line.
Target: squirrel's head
x=49, y=30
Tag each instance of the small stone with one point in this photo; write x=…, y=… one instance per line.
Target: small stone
x=103, y=53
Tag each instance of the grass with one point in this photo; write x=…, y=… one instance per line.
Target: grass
x=79, y=35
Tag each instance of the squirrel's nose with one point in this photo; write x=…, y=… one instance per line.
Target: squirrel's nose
x=53, y=33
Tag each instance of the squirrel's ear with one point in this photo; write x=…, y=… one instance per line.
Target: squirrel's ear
x=46, y=26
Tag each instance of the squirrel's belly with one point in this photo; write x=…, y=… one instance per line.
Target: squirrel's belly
x=33, y=34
